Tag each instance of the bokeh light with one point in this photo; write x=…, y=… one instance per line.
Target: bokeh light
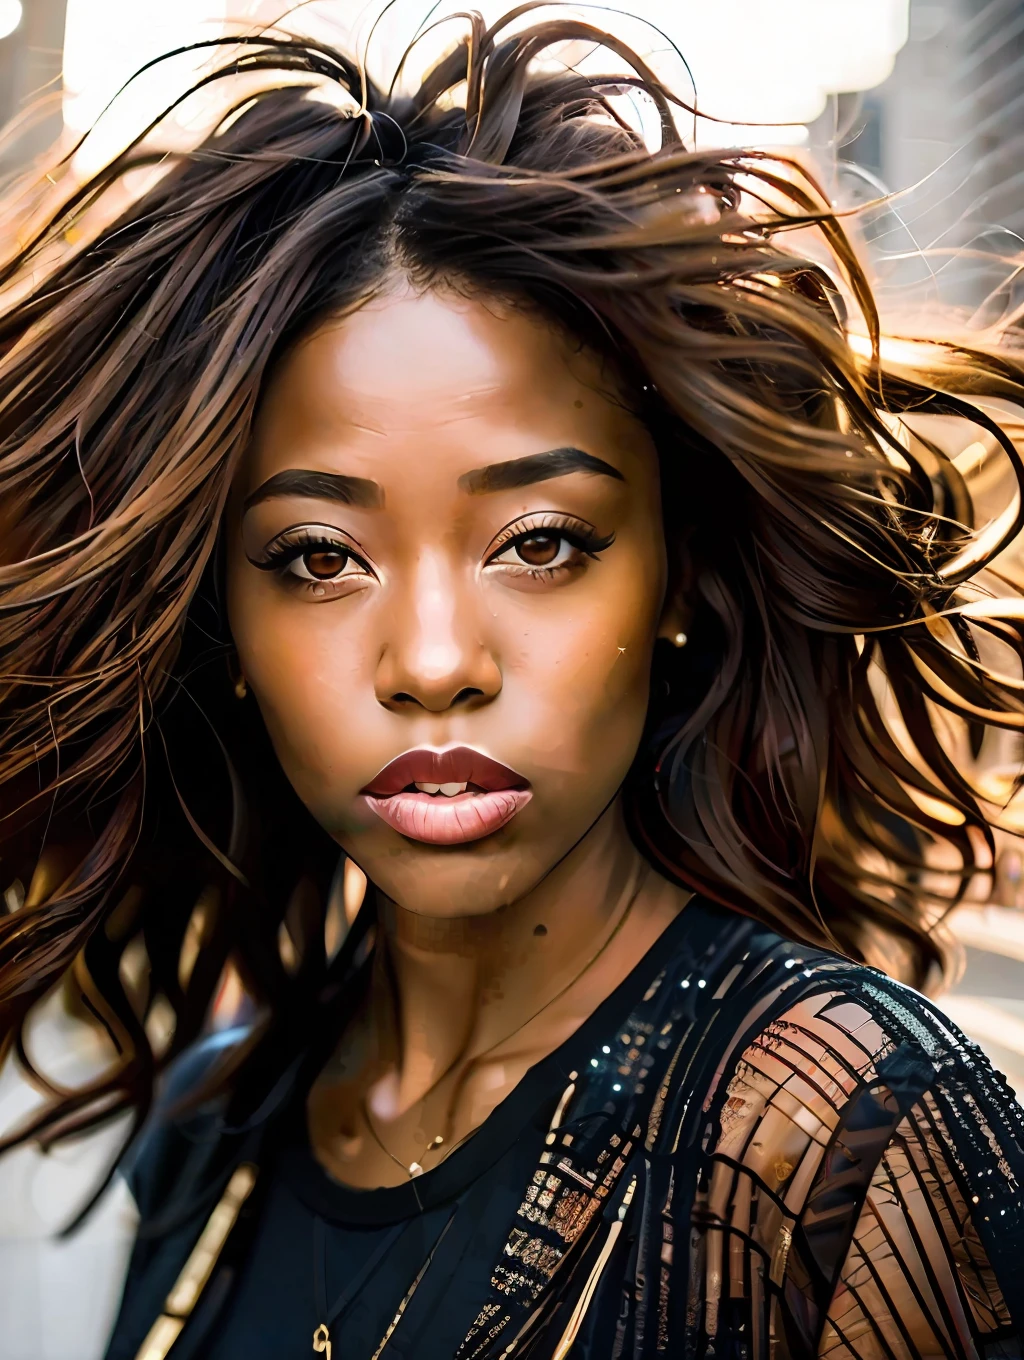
x=742, y=62
x=10, y=16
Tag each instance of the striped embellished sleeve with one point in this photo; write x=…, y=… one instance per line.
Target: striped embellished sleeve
x=858, y=1171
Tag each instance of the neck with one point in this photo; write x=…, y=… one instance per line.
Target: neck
x=462, y=986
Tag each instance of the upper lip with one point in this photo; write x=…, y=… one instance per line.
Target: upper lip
x=456, y=765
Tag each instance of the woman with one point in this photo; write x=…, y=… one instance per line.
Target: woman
x=454, y=481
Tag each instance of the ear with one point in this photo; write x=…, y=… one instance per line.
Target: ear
x=677, y=611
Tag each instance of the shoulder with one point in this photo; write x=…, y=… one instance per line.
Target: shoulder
x=178, y=1139
x=816, y=1043
x=873, y=1136
x=760, y=988
x=171, y=1169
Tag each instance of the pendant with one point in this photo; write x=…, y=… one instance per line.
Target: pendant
x=322, y=1340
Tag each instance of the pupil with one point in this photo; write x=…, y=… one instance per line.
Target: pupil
x=539, y=549
x=323, y=565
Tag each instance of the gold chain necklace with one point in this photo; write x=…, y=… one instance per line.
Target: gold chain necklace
x=415, y=1168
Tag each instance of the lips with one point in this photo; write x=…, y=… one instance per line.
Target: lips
x=446, y=797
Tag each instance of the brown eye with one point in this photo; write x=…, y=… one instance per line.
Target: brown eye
x=539, y=550
x=322, y=566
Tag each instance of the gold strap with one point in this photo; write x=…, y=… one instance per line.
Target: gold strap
x=590, y=1288
x=199, y=1267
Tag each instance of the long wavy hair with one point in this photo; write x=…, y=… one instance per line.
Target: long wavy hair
x=801, y=762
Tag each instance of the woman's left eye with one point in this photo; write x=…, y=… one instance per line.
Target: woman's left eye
x=540, y=549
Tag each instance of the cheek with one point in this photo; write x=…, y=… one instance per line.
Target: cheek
x=583, y=677
x=309, y=681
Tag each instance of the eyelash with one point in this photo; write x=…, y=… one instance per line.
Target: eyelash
x=293, y=544
x=580, y=535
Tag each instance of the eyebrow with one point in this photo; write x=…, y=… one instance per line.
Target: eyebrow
x=360, y=491
x=323, y=486
x=537, y=467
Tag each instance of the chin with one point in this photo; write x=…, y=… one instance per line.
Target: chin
x=478, y=879
x=469, y=907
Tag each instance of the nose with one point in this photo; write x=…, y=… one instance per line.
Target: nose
x=434, y=657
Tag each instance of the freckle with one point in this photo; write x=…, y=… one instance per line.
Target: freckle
x=540, y=930
x=578, y=404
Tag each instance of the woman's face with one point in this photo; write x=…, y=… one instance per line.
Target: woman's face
x=446, y=546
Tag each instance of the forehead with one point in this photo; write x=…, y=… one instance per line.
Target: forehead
x=454, y=381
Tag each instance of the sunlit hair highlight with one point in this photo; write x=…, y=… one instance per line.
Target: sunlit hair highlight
x=800, y=762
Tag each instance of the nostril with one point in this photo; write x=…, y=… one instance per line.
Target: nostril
x=465, y=695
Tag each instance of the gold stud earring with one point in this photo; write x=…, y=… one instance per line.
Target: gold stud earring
x=679, y=640
x=241, y=688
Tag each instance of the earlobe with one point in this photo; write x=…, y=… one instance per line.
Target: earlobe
x=675, y=624
x=676, y=615
x=677, y=611
x=237, y=676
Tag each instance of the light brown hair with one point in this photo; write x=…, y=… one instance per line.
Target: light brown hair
x=822, y=550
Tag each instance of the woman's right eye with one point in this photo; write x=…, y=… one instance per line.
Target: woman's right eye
x=313, y=561
x=322, y=564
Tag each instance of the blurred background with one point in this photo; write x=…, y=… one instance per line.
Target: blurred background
x=920, y=101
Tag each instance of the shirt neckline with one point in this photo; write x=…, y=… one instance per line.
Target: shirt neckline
x=523, y=1113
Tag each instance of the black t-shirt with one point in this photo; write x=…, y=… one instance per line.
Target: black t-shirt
x=274, y=1311
x=458, y=1213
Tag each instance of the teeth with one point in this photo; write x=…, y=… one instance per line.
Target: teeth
x=449, y=790
x=429, y=788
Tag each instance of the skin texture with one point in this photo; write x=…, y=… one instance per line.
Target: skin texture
x=443, y=633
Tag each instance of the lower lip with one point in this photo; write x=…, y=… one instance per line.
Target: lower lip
x=438, y=820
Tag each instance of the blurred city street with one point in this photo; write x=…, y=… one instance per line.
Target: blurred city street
x=988, y=1002
x=38, y=1195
